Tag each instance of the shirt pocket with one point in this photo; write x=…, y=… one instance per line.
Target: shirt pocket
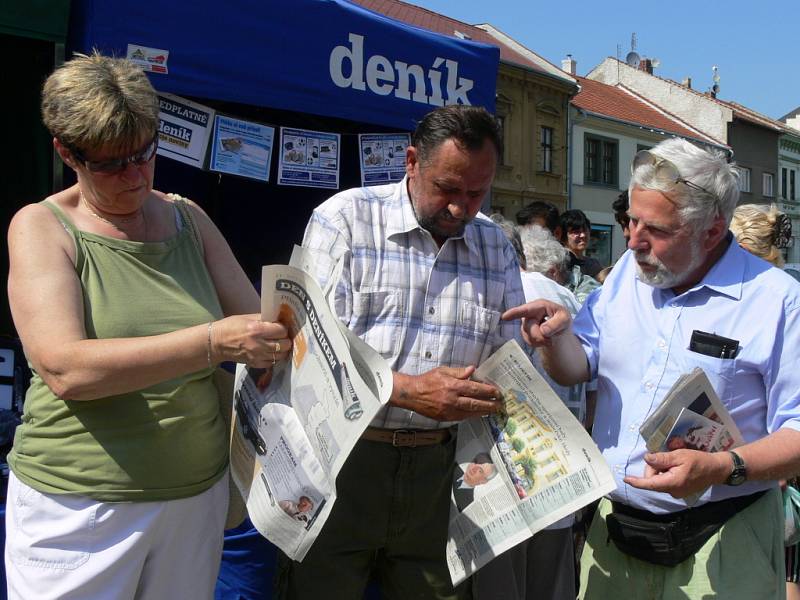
x=475, y=334
x=720, y=372
x=380, y=319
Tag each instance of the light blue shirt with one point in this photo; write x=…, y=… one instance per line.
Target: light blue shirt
x=636, y=339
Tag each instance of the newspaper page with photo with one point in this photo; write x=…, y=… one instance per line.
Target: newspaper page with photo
x=296, y=423
x=694, y=392
x=518, y=472
x=691, y=416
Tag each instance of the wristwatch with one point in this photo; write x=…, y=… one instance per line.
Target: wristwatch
x=739, y=474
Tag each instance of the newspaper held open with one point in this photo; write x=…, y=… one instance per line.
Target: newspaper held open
x=521, y=471
x=296, y=423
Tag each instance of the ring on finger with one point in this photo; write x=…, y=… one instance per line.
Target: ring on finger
x=276, y=347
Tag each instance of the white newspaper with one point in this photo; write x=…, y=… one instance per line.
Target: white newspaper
x=296, y=423
x=519, y=472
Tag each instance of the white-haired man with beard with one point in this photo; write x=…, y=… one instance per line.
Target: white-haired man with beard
x=685, y=295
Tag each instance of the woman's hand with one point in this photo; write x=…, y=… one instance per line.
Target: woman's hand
x=249, y=340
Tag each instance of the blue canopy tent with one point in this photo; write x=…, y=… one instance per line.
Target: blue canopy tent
x=324, y=57
x=327, y=65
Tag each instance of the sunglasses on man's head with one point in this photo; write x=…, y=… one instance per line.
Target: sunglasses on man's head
x=664, y=170
x=117, y=165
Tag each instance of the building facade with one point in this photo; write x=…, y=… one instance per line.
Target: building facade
x=609, y=125
x=532, y=104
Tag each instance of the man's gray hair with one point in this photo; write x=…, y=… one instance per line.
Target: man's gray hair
x=707, y=169
x=542, y=251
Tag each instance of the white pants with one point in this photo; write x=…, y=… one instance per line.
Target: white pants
x=69, y=546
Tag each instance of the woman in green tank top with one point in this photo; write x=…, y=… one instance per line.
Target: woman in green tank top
x=125, y=299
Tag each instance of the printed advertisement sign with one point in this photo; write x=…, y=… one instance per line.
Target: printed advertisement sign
x=241, y=148
x=382, y=157
x=183, y=129
x=309, y=158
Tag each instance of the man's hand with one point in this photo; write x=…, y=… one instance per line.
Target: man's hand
x=542, y=320
x=445, y=394
x=682, y=473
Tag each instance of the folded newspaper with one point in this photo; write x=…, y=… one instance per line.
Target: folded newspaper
x=691, y=416
x=296, y=423
x=683, y=416
x=521, y=471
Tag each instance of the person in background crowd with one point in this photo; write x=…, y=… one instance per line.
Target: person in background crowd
x=423, y=281
x=542, y=567
x=603, y=274
x=541, y=213
x=118, y=484
x=575, y=234
x=684, y=276
x=620, y=208
x=763, y=230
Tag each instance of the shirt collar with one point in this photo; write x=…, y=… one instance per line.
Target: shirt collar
x=726, y=275
x=402, y=219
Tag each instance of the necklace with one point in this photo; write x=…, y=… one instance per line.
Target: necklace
x=122, y=220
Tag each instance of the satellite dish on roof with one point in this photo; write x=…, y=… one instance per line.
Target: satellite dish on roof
x=656, y=63
x=633, y=59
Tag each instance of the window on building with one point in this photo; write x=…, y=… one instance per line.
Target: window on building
x=784, y=189
x=768, y=184
x=791, y=185
x=501, y=123
x=600, y=160
x=547, y=149
x=600, y=244
x=744, y=179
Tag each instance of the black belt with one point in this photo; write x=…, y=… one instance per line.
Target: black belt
x=407, y=438
x=671, y=538
x=710, y=512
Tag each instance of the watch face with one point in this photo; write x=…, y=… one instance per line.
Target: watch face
x=739, y=473
x=737, y=477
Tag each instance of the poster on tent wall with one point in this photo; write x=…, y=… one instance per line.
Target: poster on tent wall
x=241, y=148
x=309, y=158
x=383, y=157
x=183, y=129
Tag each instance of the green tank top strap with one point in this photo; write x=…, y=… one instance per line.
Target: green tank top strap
x=186, y=215
x=73, y=231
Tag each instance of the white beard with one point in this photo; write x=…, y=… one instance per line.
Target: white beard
x=663, y=278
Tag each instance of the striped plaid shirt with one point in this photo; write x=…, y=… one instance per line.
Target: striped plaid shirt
x=417, y=305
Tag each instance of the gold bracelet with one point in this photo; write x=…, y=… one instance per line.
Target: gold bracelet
x=208, y=345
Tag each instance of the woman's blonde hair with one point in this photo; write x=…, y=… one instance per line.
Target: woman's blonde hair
x=756, y=227
x=97, y=101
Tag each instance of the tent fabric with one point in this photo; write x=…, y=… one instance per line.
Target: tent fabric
x=38, y=19
x=325, y=57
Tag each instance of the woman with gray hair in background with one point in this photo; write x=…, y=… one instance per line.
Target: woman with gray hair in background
x=119, y=293
x=542, y=567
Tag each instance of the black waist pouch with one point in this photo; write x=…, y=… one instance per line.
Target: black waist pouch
x=670, y=539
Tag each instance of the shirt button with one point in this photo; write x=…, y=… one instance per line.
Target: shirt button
x=633, y=427
x=618, y=469
x=648, y=385
x=431, y=310
x=662, y=344
x=428, y=354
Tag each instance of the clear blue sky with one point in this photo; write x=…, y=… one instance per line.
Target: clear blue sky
x=754, y=44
